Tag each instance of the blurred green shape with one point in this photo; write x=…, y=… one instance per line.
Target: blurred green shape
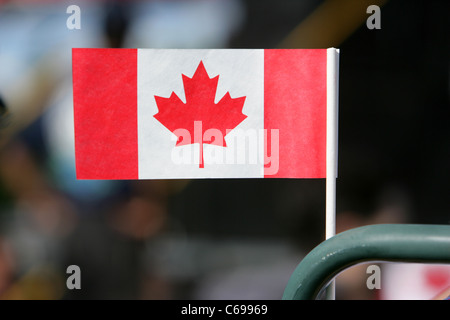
x=384, y=242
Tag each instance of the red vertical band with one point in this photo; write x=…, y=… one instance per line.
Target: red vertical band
x=105, y=113
x=295, y=98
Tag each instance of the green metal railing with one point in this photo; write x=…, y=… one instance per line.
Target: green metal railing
x=384, y=242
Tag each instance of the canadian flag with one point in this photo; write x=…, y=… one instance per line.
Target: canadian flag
x=216, y=113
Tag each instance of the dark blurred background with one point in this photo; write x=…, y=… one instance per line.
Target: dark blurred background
x=216, y=239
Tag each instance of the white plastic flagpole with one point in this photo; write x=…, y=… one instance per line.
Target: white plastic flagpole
x=332, y=149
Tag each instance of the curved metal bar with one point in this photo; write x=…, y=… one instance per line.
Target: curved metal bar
x=383, y=242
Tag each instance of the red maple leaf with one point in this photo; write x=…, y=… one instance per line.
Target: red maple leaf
x=200, y=113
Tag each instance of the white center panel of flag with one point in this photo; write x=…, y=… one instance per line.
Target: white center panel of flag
x=241, y=74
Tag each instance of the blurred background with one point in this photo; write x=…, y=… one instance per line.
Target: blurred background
x=220, y=239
